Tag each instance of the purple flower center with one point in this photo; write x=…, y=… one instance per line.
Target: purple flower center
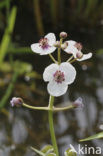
x=59, y=76
x=43, y=43
x=78, y=46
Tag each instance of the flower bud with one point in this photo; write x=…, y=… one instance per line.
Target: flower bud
x=70, y=152
x=64, y=45
x=16, y=102
x=78, y=103
x=63, y=35
x=79, y=55
x=57, y=44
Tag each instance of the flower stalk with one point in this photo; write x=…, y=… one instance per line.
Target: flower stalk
x=51, y=125
x=53, y=59
x=70, y=58
x=59, y=52
x=35, y=108
x=54, y=109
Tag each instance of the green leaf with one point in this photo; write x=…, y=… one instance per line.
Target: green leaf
x=70, y=152
x=47, y=149
x=7, y=34
x=96, y=136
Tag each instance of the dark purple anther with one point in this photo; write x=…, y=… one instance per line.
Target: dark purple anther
x=59, y=76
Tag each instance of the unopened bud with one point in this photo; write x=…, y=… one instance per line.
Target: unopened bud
x=79, y=55
x=57, y=44
x=16, y=102
x=63, y=35
x=78, y=103
x=64, y=45
x=70, y=152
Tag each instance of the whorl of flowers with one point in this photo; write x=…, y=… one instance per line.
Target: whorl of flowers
x=59, y=74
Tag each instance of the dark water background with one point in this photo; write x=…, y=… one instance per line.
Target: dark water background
x=21, y=128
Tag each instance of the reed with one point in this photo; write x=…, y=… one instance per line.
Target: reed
x=9, y=90
x=7, y=34
x=38, y=17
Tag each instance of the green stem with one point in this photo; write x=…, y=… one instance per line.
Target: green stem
x=51, y=125
x=38, y=17
x=75, y=59
x=59, y=52
x=53, y=59
x=63, y=108
x=70, y=59
x=36, y=108
x=54, y=109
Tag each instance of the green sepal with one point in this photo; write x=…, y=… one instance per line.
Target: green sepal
x=37, y=151
x=70, y=152
x=47, y=149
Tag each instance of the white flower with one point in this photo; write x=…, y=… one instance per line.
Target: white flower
x=45, y=45
x=75, y=49
x=59, y=76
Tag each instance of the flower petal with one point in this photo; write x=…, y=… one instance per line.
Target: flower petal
x=49, y=71
x=71, y=42
x=51, y=38
x=57, y=89
x=49, y=50
x=37, y=49
x=85, y=57
x=71, y=48
x=69, y=72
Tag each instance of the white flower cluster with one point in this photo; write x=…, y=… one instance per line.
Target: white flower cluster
x=58, y=75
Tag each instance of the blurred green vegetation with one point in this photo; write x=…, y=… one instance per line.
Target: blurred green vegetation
x=93, y=137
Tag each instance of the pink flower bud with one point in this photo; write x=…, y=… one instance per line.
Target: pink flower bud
x=78, y=103
x=79, y=55
x=63, y=35
x=16, y=102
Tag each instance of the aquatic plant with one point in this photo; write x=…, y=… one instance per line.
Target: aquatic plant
x=59, y=75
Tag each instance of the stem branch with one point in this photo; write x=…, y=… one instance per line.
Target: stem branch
x=59, y=52
x=70, y=59
x=63, y=108
x=53, y=109
x=53, y=59
x=33, y=107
